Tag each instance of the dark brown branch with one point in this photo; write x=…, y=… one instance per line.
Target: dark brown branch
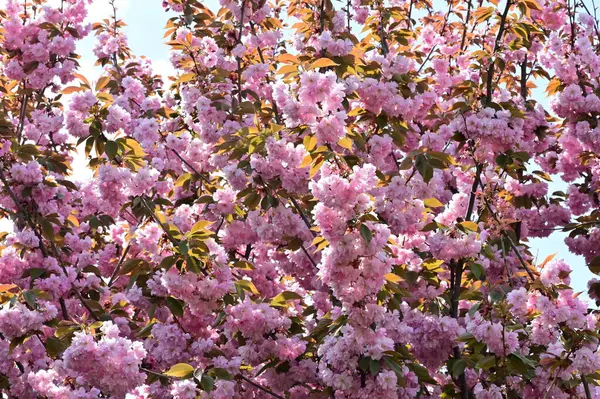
x=586, y=387
x=115, y=60
x=22, y=116
x=308, y=255
x=258, y=386
x=524, y=79
x=116, y=271
x=464, y=34
x=476, y=183
x=302, y=215
x=490, y=72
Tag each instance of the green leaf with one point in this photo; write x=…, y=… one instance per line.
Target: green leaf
x=131, y=265
x=68, y=184
x=29, y=297
x=176, y=306
x=486, y=363
x=47, y=229
x=145, y=332
x=464, y=337
x=282, y=298
x=54, y=347
x=521, y=365
x=252, y=200
x=424, y=167
x=111, y=149
x=365, y=233
x=207, y=383
x=496, y=295
x=364, y=363
x=168, y=262
x=374, y=367
x=457, y=367
x=502, y=160
x=422, y=373
x=478, y=271
x=395, y=367
x=184, y=247
x=34, y=273
x=219, y=373
x=180, y=370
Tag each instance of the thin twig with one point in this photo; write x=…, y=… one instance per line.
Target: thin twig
x=510, y=241
x=464, y=34
x=302, y=215
x=116, y=271
x=258, y=386
x=308, y=255
x=22, y=116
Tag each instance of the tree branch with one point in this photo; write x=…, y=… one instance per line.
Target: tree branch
x=258, y=386
x=490, y=72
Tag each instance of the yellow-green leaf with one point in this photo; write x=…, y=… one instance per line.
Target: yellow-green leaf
x=356, y=112
x=283, y=297
x=433, y=203
x=394, y=278
x=470, y=225
x=309, y=143
x=346, y=143
x=180, y=370
x=243, y=265
x=432, y=264
x=247, y=286
x=200, y=225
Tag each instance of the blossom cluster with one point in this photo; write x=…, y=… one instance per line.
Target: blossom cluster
x=325, y=200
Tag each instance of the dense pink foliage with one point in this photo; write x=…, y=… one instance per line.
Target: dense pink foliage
x=328, y=200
